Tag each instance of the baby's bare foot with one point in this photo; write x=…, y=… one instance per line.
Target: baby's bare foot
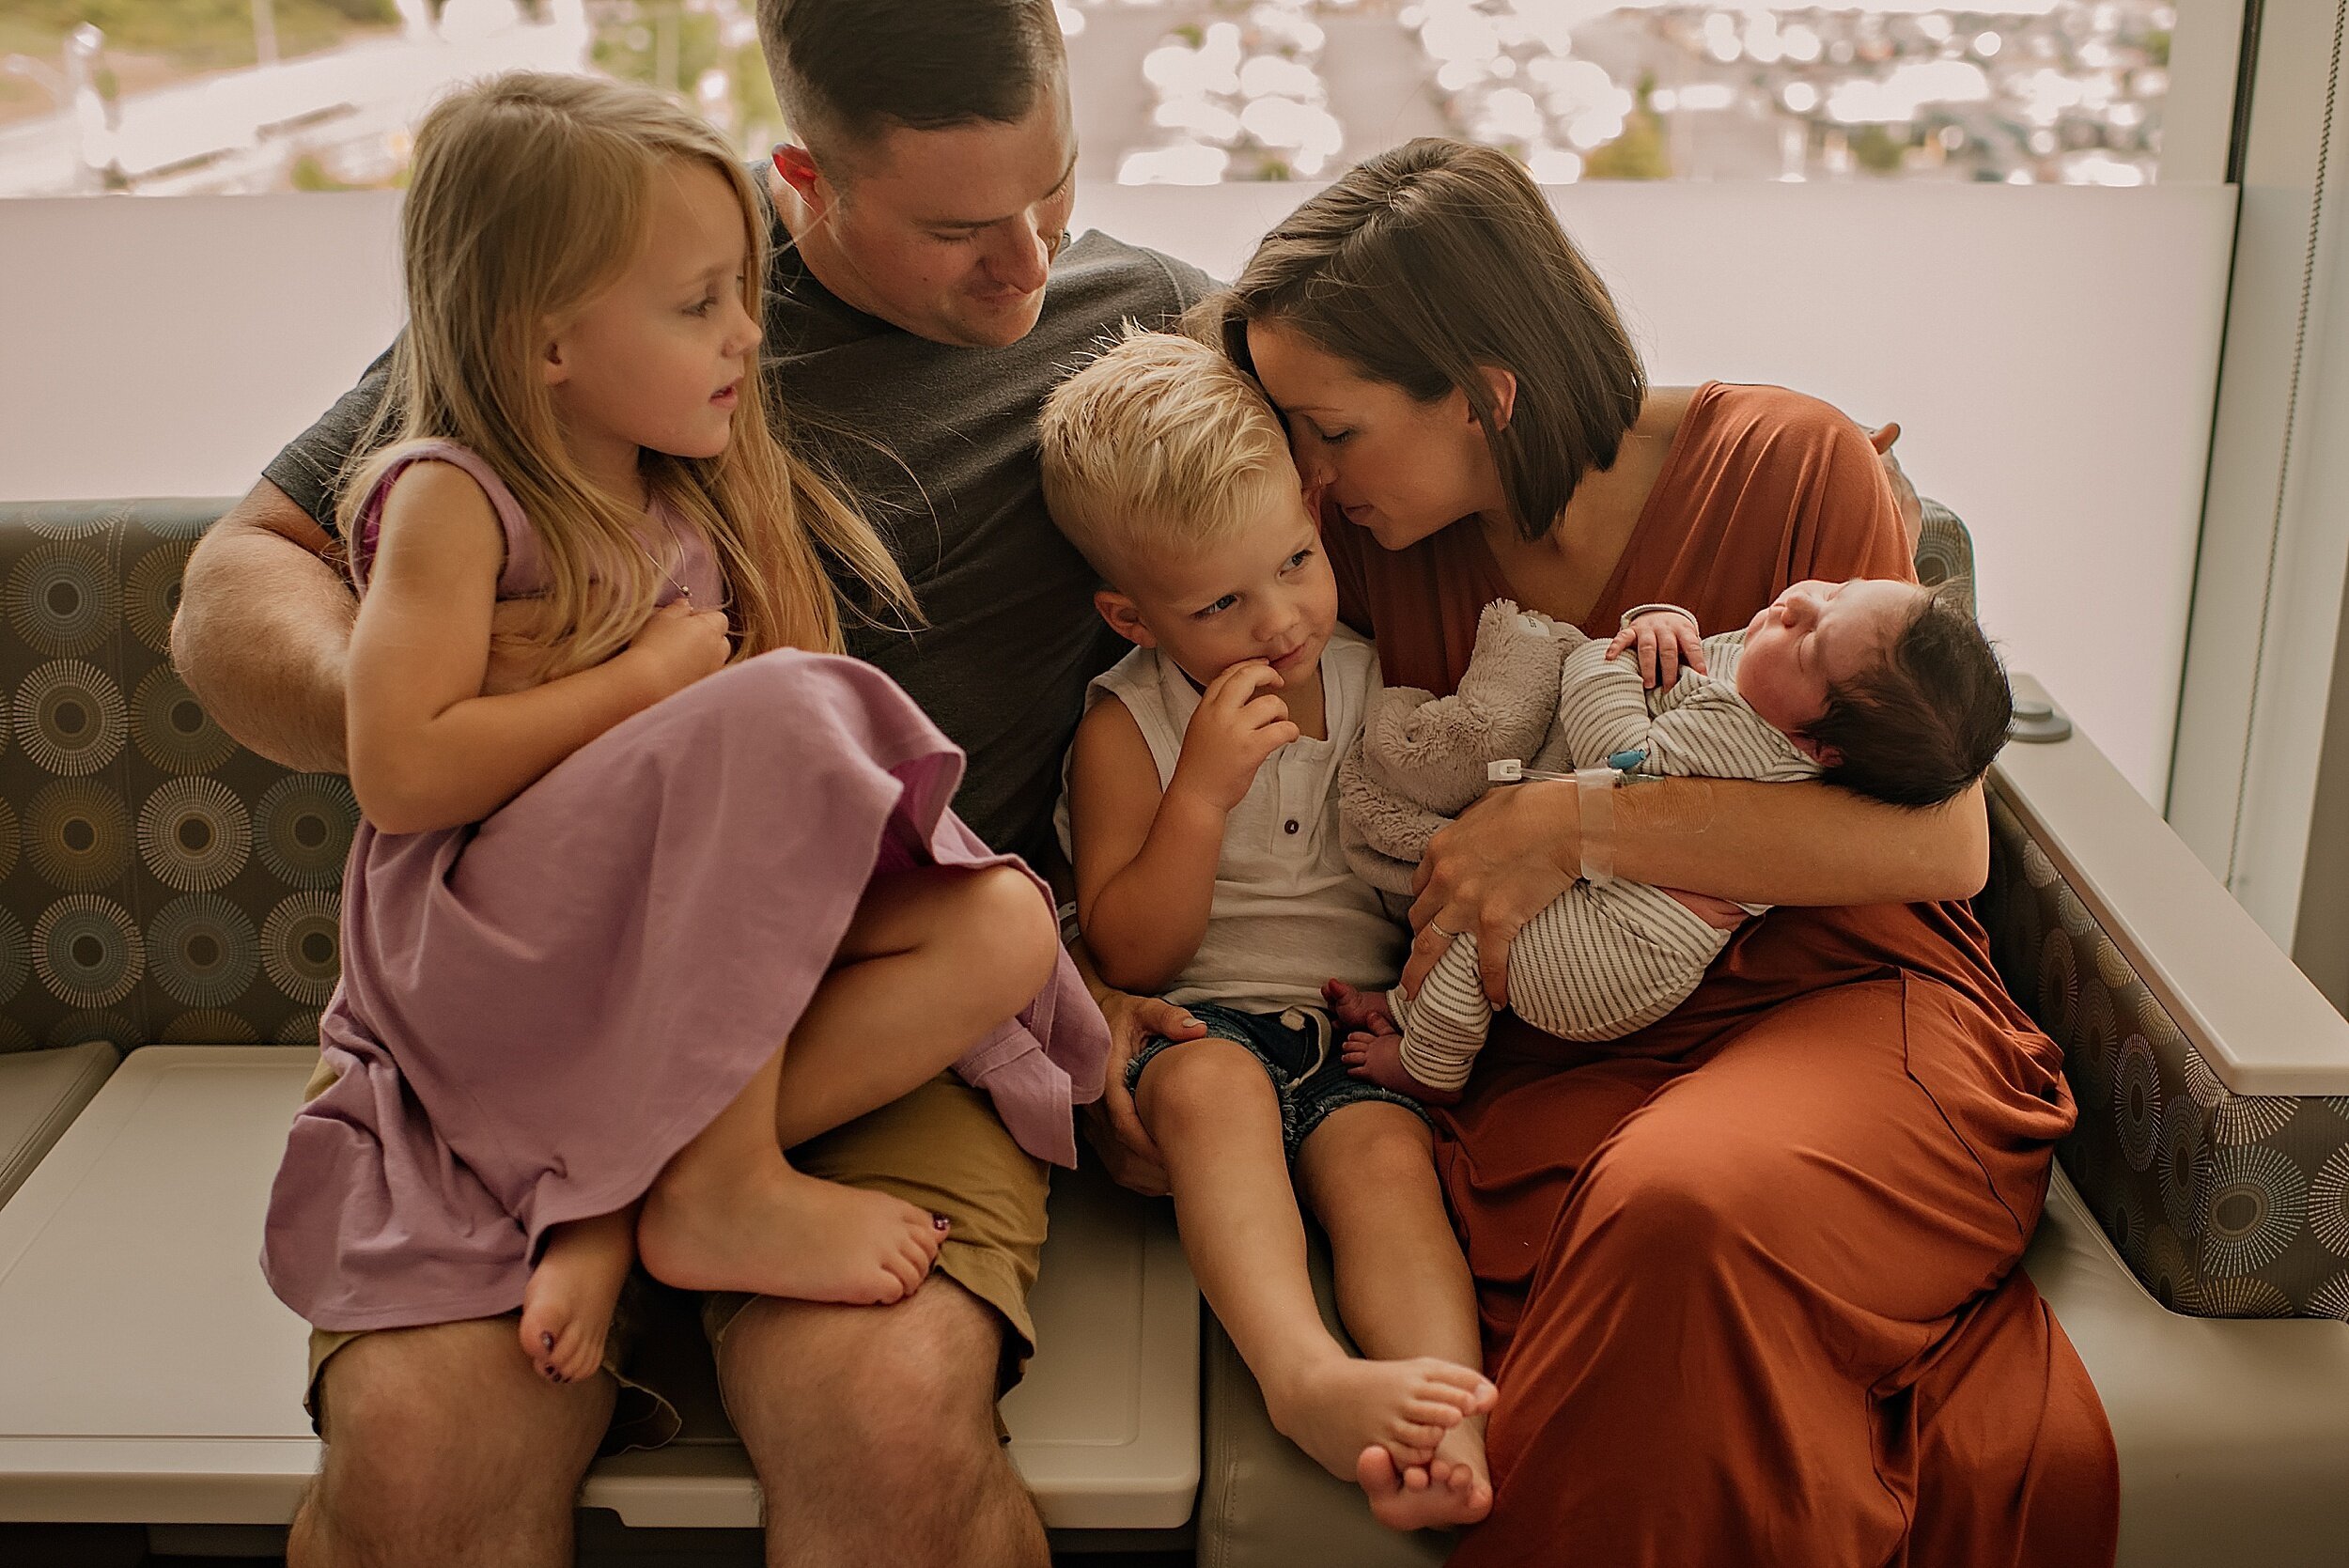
x=1340, y=1405
x=567, y=1306
x=1380, y=1059
x=789, y=1235
x=1358, y=1009
x=1453, y=1488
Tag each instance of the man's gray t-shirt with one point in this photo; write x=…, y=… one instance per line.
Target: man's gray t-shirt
x=937, y=445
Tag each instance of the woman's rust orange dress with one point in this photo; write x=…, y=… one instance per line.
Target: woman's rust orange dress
x=1747, y=1279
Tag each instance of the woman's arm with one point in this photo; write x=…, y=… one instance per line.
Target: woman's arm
x=1515, y=851
x=426, y=749
x=1146, y=860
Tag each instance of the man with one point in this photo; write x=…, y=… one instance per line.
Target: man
x=912, y=338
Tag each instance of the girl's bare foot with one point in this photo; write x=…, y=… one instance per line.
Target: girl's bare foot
x=1339, y=1405
x=1453, y=1488
x=779, y=1233
x=567, y=1306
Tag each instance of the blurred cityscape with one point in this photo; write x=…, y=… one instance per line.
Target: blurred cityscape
x=181, y=96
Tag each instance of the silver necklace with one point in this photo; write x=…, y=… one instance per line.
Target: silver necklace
x=669, y=528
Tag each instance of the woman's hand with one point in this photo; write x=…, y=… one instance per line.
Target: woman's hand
x=1503, y=863
x=679, y=645
x=1118, y=1136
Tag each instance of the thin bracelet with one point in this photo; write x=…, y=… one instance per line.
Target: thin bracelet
x=1595, y=791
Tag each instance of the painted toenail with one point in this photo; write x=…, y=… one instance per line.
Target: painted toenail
x=939, y=1220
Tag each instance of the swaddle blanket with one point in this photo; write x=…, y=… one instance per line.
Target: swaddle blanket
x=538, y=1010
x=1604, y=959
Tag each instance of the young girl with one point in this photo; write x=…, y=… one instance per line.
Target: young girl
x=582, y=916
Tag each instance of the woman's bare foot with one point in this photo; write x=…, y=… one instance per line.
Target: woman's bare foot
x=779, y=1233
x=1453, y=1488
x=567, y=1306
x=1339, y=1405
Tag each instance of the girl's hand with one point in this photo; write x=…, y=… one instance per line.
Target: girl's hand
x=1666, y=640
x=1239, y=724
x=680, y=644
x=1500, y=864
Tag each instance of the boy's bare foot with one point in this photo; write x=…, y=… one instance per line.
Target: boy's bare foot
x=1339, y=1405
x=1358, y=1010
x=1454, y=1488
x=1380, y=1059
x=567, y=1306
x=789, y=1235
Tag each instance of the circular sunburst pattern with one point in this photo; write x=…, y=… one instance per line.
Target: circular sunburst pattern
x=2257, y=1203
x=77, y=834
x=2336, y=1104
x=61, y=598
x=2096, y=1041
x=2170, y=1276
x=2059, y=986
x=10, y=838
x=2245, y=1298
x=151, y=593
x=2328, y=1204
x=2252, y=1118
x=2330, y=1299
x=70, y=718
x=14, y=1036
x=87, y=951
x=2136, y=1102
x=2200, y=1082
x=209, y=1028
x=2184, y=1162
x=171, y=727
x=2112, y=968
x=304, y=825
x=300, y=1030
x=78, y=528
x=2072, y=914
x=203, y=950
x=165, y=524
x=2126, y=1228
x=302, y=946
x=2038, y=870
x=76, y=1029
x=16, y=956
x=194, y=835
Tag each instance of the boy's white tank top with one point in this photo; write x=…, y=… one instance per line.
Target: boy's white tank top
x=1288, y=913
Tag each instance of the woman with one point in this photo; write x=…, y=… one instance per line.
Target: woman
x=1748, y=1278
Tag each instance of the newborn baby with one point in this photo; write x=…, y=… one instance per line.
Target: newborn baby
x=1882, y=687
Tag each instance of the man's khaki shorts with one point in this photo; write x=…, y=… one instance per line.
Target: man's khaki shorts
x=941, y=1148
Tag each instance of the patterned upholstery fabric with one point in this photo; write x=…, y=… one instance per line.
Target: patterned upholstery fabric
x=159, y=882
x=2224, y=1205
x=156, y=880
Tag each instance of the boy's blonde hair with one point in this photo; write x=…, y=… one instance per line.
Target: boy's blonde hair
x=1160, y=444
x=530, y=195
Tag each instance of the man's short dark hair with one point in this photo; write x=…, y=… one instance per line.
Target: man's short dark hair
x=1921, y=726
x=849, y=71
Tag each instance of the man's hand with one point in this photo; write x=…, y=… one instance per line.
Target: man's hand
x=1905, y=500
x=1117, y=1133
x=1667, y=639
x=1239, y=723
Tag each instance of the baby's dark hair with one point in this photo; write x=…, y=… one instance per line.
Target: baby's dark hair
x=1924, y=724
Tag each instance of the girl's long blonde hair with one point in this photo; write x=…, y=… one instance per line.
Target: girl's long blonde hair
x=530, y=194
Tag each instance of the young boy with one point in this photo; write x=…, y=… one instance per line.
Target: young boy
x=1202, y=820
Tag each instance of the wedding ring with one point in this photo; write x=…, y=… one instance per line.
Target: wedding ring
x=1448, y=936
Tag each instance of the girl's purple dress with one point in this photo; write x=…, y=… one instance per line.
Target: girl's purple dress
x=537, y=1011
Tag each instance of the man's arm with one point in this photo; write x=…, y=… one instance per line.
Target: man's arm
x=263, y=630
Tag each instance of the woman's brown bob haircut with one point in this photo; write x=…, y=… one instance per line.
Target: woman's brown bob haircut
x=1425, y=264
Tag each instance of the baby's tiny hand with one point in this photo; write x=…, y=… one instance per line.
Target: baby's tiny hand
x=1666, y=640
x=680, y=644
x=1380, y=1059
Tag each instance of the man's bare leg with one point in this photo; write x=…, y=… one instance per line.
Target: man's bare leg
x=872, y=1433
x=446, y=1449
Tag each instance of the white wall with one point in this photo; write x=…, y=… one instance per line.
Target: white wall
x=2050, y=351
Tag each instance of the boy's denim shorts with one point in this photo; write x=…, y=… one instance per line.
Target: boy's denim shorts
x=1299, y=1052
